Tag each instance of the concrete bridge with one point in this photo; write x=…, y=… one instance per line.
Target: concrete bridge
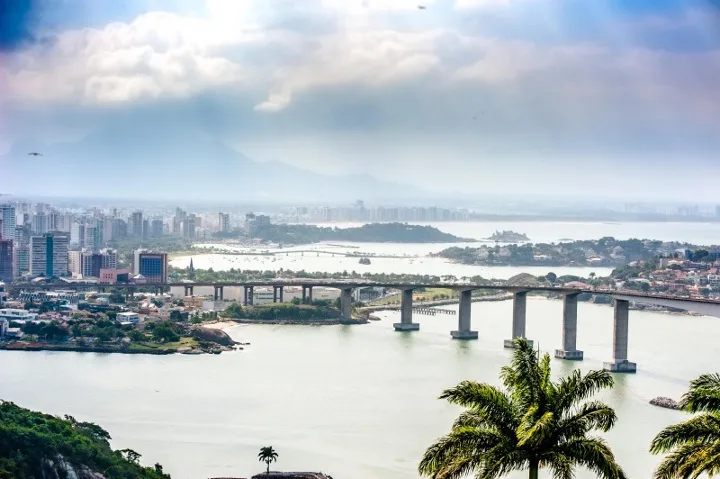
x=568, y=349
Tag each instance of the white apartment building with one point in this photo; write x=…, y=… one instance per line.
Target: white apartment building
x=49, y=255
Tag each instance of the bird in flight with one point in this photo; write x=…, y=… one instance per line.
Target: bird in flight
x=35, y=153
x=421, y=7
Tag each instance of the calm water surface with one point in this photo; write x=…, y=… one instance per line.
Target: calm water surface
x=353, y=401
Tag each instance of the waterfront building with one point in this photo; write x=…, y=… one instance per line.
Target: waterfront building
x=49, y=255
x=17, y=315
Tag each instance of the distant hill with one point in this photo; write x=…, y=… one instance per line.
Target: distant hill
x=167, y=164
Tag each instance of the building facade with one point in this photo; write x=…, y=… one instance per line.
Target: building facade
x=7, y=268
x=49, y=255
x=7, y=215
x=153, y=266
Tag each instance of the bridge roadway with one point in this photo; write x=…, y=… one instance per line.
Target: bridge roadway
x=569, y=351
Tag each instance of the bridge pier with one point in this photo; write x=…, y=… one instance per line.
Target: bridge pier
x=221, y=289
x=307, y=294
x=620, y=363
x=281, y=290
x=519, y=318
x=569, y=335
x=464, y=317
x=346, y=304
x=249, y=293
x=406, y=323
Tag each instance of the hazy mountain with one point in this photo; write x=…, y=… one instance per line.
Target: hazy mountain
x=173, y=165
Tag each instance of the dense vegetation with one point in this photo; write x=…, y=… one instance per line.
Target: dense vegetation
x=31, y=442
x=603, y=252
x=369, y=233
x=283, y=311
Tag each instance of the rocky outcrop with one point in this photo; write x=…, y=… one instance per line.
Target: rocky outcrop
x=665, y=402
x=60, y=469
x=292, y=475
x=216, y=336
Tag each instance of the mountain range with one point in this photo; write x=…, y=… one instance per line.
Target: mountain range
x=165, y=164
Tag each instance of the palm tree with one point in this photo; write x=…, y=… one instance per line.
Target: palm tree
x=533, y=423
x=694, y=445
x=267, y=455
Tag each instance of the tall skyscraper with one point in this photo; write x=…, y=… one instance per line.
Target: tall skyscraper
x=40, y=224
x=6, y=261
x=156, y=228
x=224, y=222
x=136, y=225
x=49, y=255
x=77, y=234
x=188, y=226
x=7, y=215
x=93, y=237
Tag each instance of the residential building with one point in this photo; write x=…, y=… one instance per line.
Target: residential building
x=40, y=224
x=136, y=224
x=152, y=266
x=156, y=228
x=17, y=315
x=224, y=222
x=7, y=268
x=93, y=237
x=188, y=226
x=7, y=215
x=49, y=255
x=21, y=259
x=77, y=235
x=86, y=263
x=127, y=317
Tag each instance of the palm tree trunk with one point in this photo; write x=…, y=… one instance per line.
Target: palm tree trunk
x=534, y=469
x=268, y=467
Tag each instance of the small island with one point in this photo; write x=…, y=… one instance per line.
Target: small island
x=320, y=312
x=364, y=261
x=508, y=236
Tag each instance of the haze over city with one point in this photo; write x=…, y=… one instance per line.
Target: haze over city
x=250, y=100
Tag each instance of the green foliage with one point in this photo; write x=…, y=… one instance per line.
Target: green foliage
x=267, y=455
x=693, y=446
x=165, y=332
x=28, y=440
x=278, y=311
x=375, y=233
x=533, y=423
x=116, y=297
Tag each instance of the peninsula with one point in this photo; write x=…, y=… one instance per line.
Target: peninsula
x=369, y=233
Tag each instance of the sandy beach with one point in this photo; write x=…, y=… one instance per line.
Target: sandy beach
x=220, y=325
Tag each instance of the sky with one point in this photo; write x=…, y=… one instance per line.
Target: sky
x=583, y=97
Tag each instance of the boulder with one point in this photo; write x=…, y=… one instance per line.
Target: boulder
x=216, y=336
x=665, y=402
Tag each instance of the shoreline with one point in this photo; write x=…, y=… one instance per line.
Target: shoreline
x=296, y=322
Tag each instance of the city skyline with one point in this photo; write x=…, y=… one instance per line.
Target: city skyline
x=464, y=97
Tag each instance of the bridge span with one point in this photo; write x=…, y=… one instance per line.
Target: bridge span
x=567, y=351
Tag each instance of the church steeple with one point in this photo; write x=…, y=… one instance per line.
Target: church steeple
x=191, y=270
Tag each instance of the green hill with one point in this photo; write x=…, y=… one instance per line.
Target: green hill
x=35, y=445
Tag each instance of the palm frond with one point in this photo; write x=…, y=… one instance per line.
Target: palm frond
x=703, y=429
x=594, y=454
x=576, y=388
x=703, y=395
x=459, y=447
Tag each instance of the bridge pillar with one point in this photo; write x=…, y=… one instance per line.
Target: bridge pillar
x=620, y=363
x=185, y=291
x=282, y=290
x=222, y=292
x=275, y=294
x=346, y=304
x=251, y=295
x=310, y=300
x=304, y=295
x=192, y=290
x=216, y=294
x=569, y=335
x=519, y=318
x=406, y=323
x=464, y=315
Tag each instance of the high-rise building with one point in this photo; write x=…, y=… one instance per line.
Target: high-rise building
x=152, y=266
x=87, y=263
x=77, y=234
x=224, y=222
x=93, y=237
x=40, y=224
x=49, y=255
x=136, y=225
x=7, y=215
x=119, y=229
x=21, y=259
x=178, y=221
x=156, y=228
x=6, y=261
x=188, y=226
